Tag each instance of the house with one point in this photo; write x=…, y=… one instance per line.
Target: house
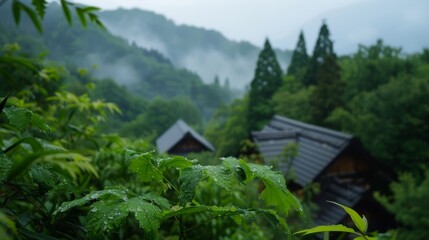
x=336, y=161
x=180, y=139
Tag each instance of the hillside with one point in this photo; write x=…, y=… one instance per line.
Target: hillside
x=206, y=52
x=145, y=72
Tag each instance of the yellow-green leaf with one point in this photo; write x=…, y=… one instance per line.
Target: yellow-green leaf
x=360, y=223
x=327, y=228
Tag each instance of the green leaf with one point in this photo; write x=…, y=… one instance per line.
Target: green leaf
x=276, y=220
x=174, y=162
x=214, y=210
x=189, y=179
x=118, y=193
x=144, y=166
x=359, y=238
x=3, y=103
x=242, y=170
x=148, y=215
x=6, y=224
x=104, y=217
x=5, y=167
x=16, y=9
x=156, y=199
x=247, y=171
x=35, y=145
x=112, y=208
x=43, y=174
x=40, y=6
x=361, y=223
x=24, y=62
x=33, y=16
x=66, y=11
x=20, y=118
x=100, y=24
x=327, y=228
x=275, y=192
x=90, y=9
x=221, y=176
x=39, y=122
x=81, y=14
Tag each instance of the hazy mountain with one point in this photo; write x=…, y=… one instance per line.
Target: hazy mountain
x=146, y=73
x=398, y=23
x=206, y=52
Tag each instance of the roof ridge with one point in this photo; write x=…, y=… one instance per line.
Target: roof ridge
x=313, y=127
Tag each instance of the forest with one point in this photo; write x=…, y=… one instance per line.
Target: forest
x=78, y=150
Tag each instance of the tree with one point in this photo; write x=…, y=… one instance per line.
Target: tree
x=409, y=205
x=323, y=48
x=392, y=121
x=293, y=101
x=267, y=79
x=300, y=57
x=228, y=128
x=329, y=90
x=373, y=66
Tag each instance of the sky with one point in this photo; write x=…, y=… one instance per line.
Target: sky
x=250, y=20
x=400, y=23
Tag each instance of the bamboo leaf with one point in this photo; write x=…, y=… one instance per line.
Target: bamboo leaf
x=360, y=223
x=327, y=228
x=66, y=11
x=16, y=9
x=33, y=16
x=3, y=103
x=40, y=6
x=81, y=14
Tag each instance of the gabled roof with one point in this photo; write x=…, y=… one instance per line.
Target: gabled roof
x=342, y=193
x=176, y=133
x=317, y=146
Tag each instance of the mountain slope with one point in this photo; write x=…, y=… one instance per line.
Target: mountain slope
x=146, y=72
x=206, y=52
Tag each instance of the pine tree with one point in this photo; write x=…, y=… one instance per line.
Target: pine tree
x=267, y=79
x=300, y=57
x=329, y=90
x=322, y=49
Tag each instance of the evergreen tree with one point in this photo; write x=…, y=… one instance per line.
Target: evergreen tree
x=226, y=84
x=322, y=49
x=300, y=57
x=216, y=81
x=329, y=90
x=267, y=79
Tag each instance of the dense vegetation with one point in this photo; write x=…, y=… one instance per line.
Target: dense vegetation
x=76, y=156
x=378, y=94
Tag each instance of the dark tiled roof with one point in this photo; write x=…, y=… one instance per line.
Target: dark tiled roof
x=176, y=133
x=343, y=193
x=317, y=146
